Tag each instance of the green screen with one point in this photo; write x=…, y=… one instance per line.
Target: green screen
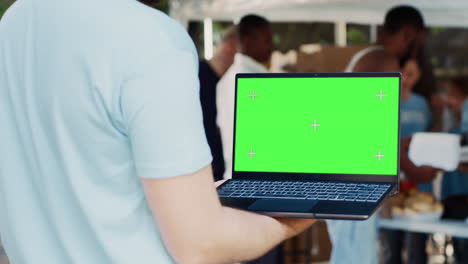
x=342, y=125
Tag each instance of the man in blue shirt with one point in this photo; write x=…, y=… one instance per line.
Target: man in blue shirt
x=104, y=157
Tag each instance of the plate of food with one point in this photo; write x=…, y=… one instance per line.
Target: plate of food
x=415, y=205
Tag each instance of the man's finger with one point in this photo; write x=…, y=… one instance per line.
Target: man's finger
x=218, y=183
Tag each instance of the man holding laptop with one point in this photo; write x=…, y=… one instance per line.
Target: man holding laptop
x=104, y=158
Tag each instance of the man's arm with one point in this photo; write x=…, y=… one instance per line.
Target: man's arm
x=418, y=174
x=437, y=112
x=196, y=228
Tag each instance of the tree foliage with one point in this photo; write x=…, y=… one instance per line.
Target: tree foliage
x=162, y=5
x=4, y=4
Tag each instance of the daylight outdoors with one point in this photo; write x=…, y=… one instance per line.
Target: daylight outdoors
x=298, y=119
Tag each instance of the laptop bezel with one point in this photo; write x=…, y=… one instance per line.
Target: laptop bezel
x=248, y=175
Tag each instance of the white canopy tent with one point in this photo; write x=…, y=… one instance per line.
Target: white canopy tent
x=449, y=13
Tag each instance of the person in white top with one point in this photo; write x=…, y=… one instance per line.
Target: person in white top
x=255, y=45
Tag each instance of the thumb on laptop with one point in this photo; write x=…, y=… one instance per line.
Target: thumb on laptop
x=295, y=226
x=218, y=183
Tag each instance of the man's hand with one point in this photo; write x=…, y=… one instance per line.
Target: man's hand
x=418, y=174
x=293, y=226
x=429, y=172
x=218, y=183
x=463, y=167
x=422, y=174
x=405, y=144
x=196, y=228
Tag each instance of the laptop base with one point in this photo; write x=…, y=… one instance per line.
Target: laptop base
x=306, y=208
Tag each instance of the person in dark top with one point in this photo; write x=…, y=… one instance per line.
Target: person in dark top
x=426, y=86
x=209, y=74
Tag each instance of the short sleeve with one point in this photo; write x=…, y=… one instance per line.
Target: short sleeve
x=161, y=110
x=464, y=125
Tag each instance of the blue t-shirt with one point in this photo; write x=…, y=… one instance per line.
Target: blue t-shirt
x=415, y=117
x=454, y=183
x=94, y=96
x=464, y=125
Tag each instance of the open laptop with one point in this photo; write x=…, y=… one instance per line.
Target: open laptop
x=314, y=145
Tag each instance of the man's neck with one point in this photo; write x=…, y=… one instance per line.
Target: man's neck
x=250, y=56
x=387, y=45
x=219, y=65
x=405, y=95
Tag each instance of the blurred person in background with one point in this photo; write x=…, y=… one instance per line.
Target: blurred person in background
x=403, y=35
x=355, y=242
x=415, y=117
x=456, y=94
x=104, y=157
x=401, y=32
x=454, y=189
x=255, y=46
x=400, y=35
x=426, y=86
x=209, y=74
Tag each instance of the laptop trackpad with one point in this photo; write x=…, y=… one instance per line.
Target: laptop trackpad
x=276, y=205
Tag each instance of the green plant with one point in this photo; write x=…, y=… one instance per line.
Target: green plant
x=162, y=5
x=4, y=5
x=356, y=37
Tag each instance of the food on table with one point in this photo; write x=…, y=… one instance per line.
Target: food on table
x=414, y=203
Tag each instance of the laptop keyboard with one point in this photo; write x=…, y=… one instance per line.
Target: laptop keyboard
x=329, y=191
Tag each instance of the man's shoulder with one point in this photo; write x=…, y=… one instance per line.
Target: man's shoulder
x=154, y=29
x=418, y=100
x=152, y=38
x=228, y=77
x=361, y=57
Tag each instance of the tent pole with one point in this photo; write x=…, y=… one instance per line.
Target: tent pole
x=373, y=33
x=340, y=33
x=208, y=37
